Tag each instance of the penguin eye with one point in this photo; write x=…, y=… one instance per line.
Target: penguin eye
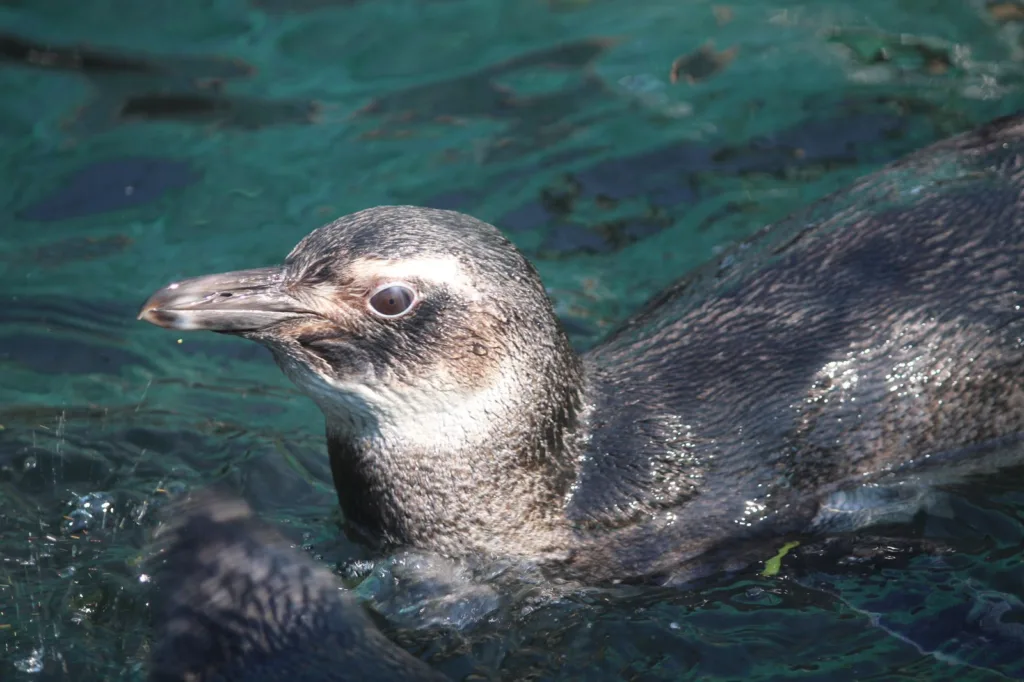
x=392, y=300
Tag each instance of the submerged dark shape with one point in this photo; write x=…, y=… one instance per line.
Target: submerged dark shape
x=235, y=602
x=105, y=64
x=18, y=50
x=618, y=201
x=534, y=121
x=818, y=378
x=134, y=87
x=211, y=108
x=111, y=185
x=701, y=64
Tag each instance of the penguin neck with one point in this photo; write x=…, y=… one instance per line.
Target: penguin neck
x=496, y=482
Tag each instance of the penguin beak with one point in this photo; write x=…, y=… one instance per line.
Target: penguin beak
x=232, y=302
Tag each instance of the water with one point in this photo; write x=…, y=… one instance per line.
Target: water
x=205, y=136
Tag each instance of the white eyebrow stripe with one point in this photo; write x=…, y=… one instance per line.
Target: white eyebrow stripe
x=440, y=270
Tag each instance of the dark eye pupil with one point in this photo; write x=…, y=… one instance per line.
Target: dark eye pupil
x=393, y=300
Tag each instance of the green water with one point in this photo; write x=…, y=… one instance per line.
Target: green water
x=201, y=136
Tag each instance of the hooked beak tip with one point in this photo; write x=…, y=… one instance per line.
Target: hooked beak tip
x=154, y=315
x=159, y=309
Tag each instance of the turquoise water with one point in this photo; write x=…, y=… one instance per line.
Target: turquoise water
x=144, y=142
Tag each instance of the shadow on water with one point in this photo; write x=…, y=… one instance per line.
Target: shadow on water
x=98, y=422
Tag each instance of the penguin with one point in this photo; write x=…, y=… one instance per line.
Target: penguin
x=233, y=601
x=822, y=376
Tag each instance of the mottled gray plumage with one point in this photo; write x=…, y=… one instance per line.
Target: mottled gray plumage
x=876, y=335
x=235, y=602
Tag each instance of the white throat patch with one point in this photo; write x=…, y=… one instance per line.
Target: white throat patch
x=436, y=415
